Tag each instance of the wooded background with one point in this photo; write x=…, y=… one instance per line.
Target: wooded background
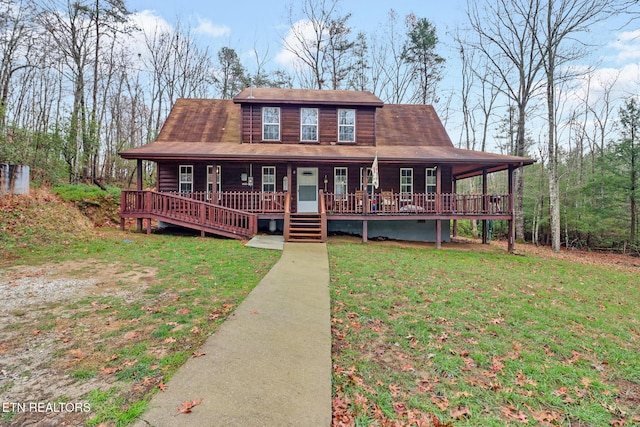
x=80, y=82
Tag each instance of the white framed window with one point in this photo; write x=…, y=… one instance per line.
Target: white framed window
x=369, y=180
x=309, y=124
x=346, y=125
x=431, y=180
x=185, y=178
x=210, y=179
x=271, y=123
x=340, y=181
x=406, y=184
x=268, y=179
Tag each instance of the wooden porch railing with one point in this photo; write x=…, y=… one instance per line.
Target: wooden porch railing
x=188, y=212
x=248, y=201
x=389, y=203
x=381, y=203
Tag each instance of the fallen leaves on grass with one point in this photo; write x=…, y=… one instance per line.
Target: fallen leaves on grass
x=460, y=412
x=186, y=406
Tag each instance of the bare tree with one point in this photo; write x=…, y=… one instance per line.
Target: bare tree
x=506, y=35
x=178, y=68
x=555, y=39
x=16, y=43
x=71, y=30
x=391, y=75
x=320, y=40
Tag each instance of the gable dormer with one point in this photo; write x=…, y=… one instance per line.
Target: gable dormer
x=313, y=117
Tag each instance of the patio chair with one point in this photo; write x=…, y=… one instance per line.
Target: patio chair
x=359, y=200
x=388, y=203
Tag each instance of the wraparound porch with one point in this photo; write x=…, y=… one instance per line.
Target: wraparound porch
x=237, y=213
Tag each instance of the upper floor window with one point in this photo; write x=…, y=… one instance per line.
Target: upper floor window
x=268, y=179
x=308, y=124
x=431, y=180
x=271, y=123
x=186, y=178
x=346, y=125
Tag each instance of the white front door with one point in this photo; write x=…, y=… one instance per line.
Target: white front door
x=307, y=189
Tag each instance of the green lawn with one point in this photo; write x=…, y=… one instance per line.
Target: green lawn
x=477, y=338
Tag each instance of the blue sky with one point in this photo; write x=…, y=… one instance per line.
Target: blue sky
x=243, y=24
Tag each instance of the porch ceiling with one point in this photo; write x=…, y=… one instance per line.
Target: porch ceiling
x=465, y=163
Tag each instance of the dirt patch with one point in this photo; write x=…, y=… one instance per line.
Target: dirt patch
x=43, y=337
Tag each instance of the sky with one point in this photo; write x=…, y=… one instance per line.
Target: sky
x=262, y=24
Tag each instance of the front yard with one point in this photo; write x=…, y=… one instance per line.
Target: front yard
x=95, y=321
x=482, y=338
x=92, y=328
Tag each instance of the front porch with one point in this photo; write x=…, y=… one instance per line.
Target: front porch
x=385, y=204
x=235, y=213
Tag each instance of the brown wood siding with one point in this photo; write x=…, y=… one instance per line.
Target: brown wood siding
x=231, y=176
x=167, y=176
x=389, y=178
x=365, y=126
x=290, y=125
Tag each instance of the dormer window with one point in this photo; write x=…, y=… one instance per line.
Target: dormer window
x=346, y=125
x=271, y=123
x=309, y=124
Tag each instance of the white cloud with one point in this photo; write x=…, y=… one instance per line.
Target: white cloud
x=150, y=22
x=626, y=46
x=207, y=27
x=293, y=39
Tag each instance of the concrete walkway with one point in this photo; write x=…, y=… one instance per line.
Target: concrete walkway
x=269, y=364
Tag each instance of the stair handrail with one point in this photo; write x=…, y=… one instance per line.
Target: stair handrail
x=230, y=222
x=323, y=215
x=287, y=216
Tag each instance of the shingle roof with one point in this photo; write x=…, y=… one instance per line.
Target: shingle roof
x=410, y=125
x=209, y=129
x=307, y=96
x=202, y=120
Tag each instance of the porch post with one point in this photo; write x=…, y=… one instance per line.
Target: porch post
x=439, y=207
x=139, y=175
x=511, y=245
x=214, y=184
x=139, y=186
x=455, y=192
x=485, y=207
x=365, y=205
x=365, y=191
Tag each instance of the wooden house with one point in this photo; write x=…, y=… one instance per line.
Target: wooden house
x=305, y=163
